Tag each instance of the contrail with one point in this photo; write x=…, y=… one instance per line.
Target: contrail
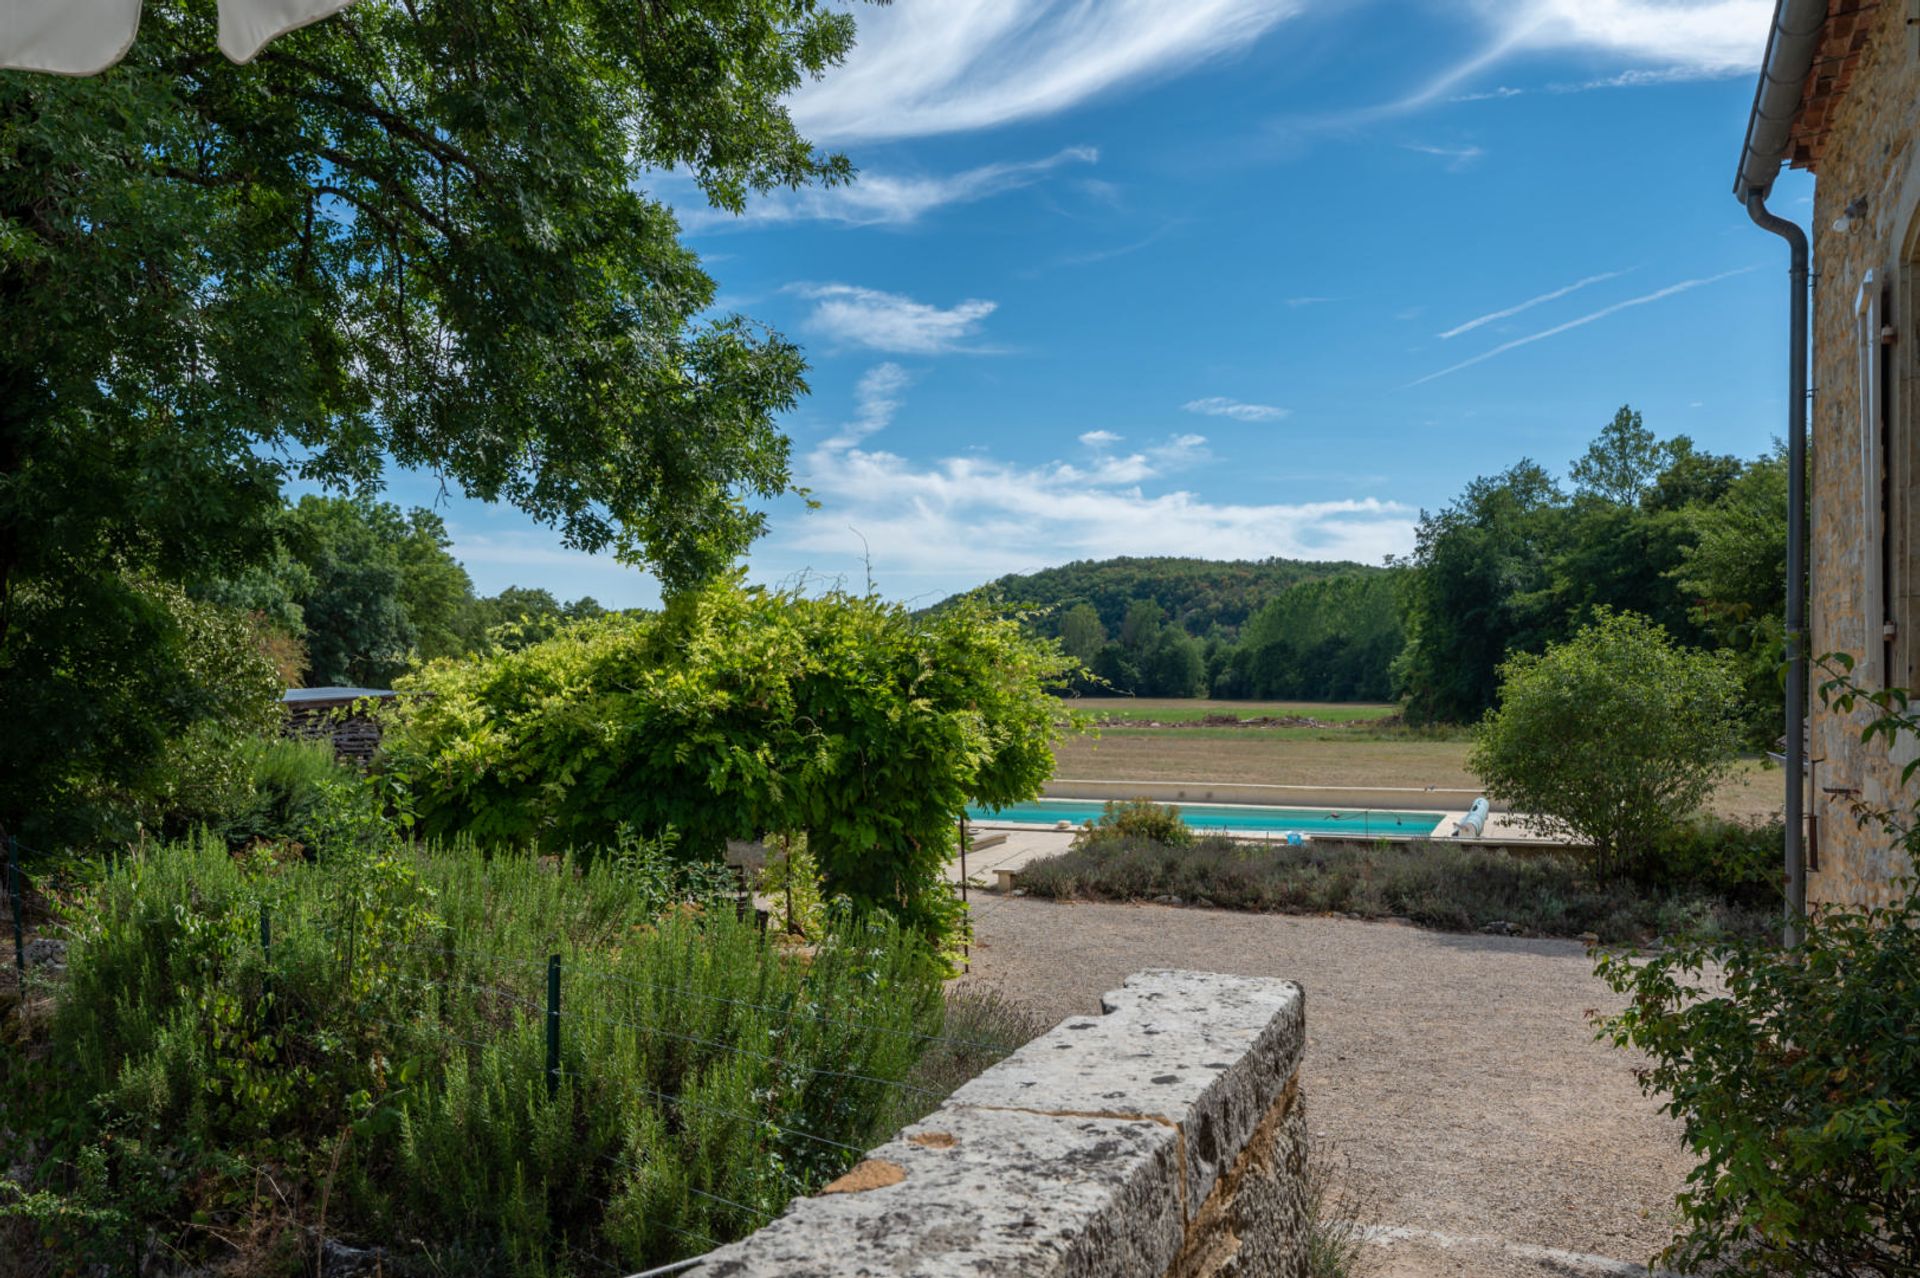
x=1668, y=291
x=1532, y=302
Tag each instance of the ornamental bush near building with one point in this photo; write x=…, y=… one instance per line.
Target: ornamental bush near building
x=1611, y=737
x=736, y=713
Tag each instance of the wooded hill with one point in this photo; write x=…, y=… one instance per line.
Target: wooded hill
x=1198, y=595
x=1172, y=627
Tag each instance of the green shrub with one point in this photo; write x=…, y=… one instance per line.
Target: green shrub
x=1741, y=859
x=738, y=713
x=1796, y=1076
x=1136, y=821
x=1611, y=737
x=290, y=785
x=382, y=1061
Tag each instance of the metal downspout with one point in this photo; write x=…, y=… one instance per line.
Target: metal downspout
x=1796, y=908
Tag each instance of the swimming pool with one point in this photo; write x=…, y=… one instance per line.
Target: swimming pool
x=1218, y=816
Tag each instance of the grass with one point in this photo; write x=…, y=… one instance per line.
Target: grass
x=1439, y=885
x=381, y=1065
x=1186, y=710
x=1332, y=758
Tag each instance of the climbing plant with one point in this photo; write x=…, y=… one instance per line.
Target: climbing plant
x=739, y=712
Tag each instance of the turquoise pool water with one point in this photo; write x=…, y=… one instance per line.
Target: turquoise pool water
x=1213, y=816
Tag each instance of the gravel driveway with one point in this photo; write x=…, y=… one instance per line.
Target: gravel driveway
x=1459, y=1073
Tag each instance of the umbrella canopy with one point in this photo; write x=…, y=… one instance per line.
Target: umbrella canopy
x=85, y=37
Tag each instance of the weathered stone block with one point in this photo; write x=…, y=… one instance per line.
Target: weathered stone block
x=1204, y=1052
x=987, y=1192
x=1163, y=1137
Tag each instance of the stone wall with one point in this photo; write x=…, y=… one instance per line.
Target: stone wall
x=1870, y=154
x=1163, y=1138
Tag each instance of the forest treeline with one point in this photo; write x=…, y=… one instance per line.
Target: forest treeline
x=1692, y=539
x=354, y=591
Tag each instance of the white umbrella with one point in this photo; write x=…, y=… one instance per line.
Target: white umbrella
x=85, y=37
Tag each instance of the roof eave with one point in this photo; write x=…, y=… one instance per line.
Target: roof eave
x=1792, y=42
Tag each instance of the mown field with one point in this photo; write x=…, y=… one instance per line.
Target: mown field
x=1186, y=710
x=1352, y=756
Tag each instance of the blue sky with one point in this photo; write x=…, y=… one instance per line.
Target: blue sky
x=1230, y=278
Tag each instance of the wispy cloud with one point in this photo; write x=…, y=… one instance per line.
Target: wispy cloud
x=1457, y=157
x=1100, y=439
x=889, y=199
x=1669, y=291
x=1706, y=37
x=1669, y=40
x=922, y=69
x=1530, y=303
x=892, y=322
x=876, y=398
x=1122, y=250
x=1310, y=301
x=1221, y=406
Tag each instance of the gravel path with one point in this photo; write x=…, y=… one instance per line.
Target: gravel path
x=1459, y=1073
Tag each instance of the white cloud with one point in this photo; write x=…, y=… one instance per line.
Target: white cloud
x=1530, y=303
x=1221, y=406
x=1668, y=40
x=1709, y=37
x=876, y=398
x=1310, y=301
x=1669, y=291
x=886, y=199
x=892, y=322
x=973, y=518
x=1099, y=439
x=922, y=69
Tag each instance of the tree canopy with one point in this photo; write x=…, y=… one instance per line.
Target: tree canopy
x=412, y=235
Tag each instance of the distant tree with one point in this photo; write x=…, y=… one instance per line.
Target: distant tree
x=1623, y=463
x=1691, y=477
x=1174, y=667
x=1081, y=633
x=1330, y=639
x=434, y=589
x=1734, y=575
x=520, y=615
x=1142, y=626
x=1117, y=670
x=1483, y=573
x=1613, y=737
x=358, y=631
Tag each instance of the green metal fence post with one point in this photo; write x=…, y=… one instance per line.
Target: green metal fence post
x=13, y=896
x=266, y=954
x=553, y=1026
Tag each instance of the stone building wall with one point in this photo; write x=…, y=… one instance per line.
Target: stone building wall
x=1870, y=154
x=1163, y=1139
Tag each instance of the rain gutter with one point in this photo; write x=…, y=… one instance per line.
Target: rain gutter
x=1791, y=47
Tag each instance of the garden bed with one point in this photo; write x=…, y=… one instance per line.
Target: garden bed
x=1438, y=885
x=249, y=1060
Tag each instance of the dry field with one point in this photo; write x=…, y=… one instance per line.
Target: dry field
x=1320, y=757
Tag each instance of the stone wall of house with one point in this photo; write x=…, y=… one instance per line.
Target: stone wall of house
x=1870, y=154
x=1165, y=1138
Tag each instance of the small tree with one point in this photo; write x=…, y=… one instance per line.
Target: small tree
x=1610, y=737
